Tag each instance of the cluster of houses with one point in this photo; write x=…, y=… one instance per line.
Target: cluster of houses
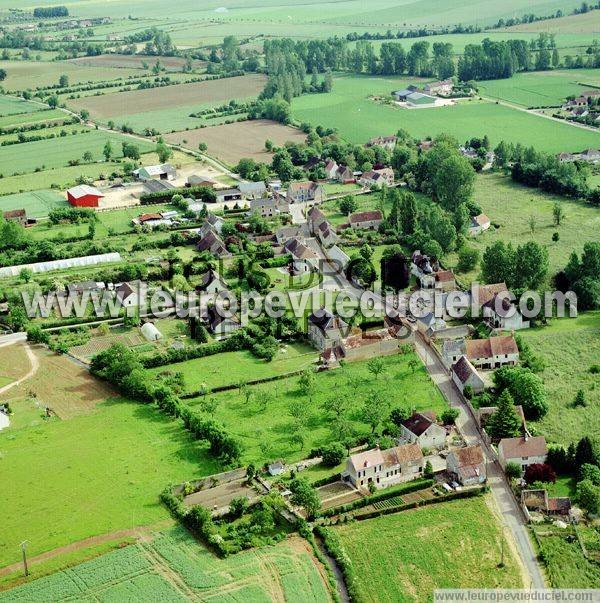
x=584, y=105
x=587, y=156
x=377, y=177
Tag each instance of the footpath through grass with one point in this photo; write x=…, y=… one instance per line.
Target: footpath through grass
x=405, y=556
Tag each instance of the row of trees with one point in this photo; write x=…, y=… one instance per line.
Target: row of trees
x=582, y=275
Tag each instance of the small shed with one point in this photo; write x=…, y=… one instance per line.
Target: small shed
x=150, y=332
x=276, y=467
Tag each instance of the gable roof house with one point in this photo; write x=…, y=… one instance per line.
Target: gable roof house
x=366, y=220
x=304, y=258
x=522, y=451
x=493, y=352
x=212, y=242
x=377, y=178
x=331, y=168
x=479, y=224
x=215, y=222
x=423, y=430
x=467, y=465
x=129, y=294
x=220, y=326
x=326, y=330
x=344, y=174
x=300, y=192
x=315, y=217
x=444, y=280
x=384, y=467
x=268, y=207
x=326, y=234
x=429, y=324
x=500, y=313
x=465, y=374
x=443, y=88
x=386, y=142
x=211, y=282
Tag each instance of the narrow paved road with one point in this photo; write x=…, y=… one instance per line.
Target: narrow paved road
x=511, y=514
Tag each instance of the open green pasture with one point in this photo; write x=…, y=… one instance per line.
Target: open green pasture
x=56, y=152
x=541, y=88
x=264, y=425
x=569, y=346
x=93, y=474
x=171, y=566
x=349, y=109
x=510, y=206
x=406, y=556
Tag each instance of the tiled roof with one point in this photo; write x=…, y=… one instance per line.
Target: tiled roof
x=366, y=216
x=417, y=424
x=513, y=448
x=470, y=455
x=494, y=346
x=463, y=369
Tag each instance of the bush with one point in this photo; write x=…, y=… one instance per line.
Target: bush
x=333, y=454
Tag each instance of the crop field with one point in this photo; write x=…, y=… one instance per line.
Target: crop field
x=541, y=88
x=174, y=567
x=23, y=75
x=10, y=105
x=569, y=346
x=349, y=109
x=263, y=424
x=32, y=117
x=241, y=366
x=510, y=206
x=128, y=61
x=232, y=142
x=168, y=108
x=454, y=544
x=13, y=363
x=53, y=153
x=134, y=451
x=588, y=23
x=566, y=564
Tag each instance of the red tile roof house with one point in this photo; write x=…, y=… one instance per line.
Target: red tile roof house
x=422, y=429
x=384, y=467
x=523, y=451
x=467, y=465
x=493, y=352
x=444, y=280
x=366, y=220
x=84, y=196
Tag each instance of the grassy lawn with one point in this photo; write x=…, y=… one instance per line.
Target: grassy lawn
x=240, y=366
x=172, y=566
x=35, y=115
x=357, y=118
x=105, y=469
x=266, y=431
x=37, y=204
x=509, y=207
x=564, y=486
x=540, y=88
x=405, y=556
x=569, y=346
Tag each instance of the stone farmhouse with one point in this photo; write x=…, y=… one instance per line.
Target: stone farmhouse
x=467, y=465
x=320, y=227
x=301, y=192
x=500, y=313
x=384, y=468
x=522, y=451
x=386, y=142
x=377, y=178
x=366, y=220
x=326, y=330
x=482, y=353
x=442, y=88
x=421, y=429
x=269, y=207
x=212, y=243
x=211, y=282
x=220, y=326
x=344, y=175
x=303, y=257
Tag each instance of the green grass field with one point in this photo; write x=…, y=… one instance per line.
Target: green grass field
x=172, y=567
x=55, y=153
x=31, y=117
x=509, y=207
x=241, y=366
x=93, y=474
x=357, y=118
x=10, y=105
x=37, y=204
x=569, y=347
x=268, y=433
x=405, y=556
x=541, y=88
